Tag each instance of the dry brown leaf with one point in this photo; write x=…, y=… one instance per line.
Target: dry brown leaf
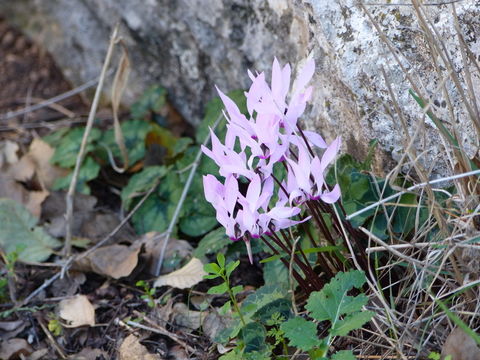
x=90, y=354
x=177, y=352
x=131, y=349
x=34, y=202
x=77, y=311
x=33, y=169
x=214, y=324
x=54, y=208
x=23, y=170
x=40, y=153
x=460, y=346
x=187, y=318
x=116, y=261
x=38, y=354
x=153, y=243
x=118, y=88
x=14, y=348
x=191, y=274
x=8, y=152
x=10, y=325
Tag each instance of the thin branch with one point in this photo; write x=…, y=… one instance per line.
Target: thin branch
x=193, y=170
x=81, y=154
x=410, y=189
x=50, y=102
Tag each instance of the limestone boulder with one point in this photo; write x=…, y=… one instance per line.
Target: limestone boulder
x=188, y=46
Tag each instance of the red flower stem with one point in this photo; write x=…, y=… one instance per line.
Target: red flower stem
x=306, y=141
x=296, y=275
x=306, y=268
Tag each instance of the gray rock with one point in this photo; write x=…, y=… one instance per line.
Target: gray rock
x=190, y=45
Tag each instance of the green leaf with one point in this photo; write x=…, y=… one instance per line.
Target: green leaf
x=234, y=354
x=301, y=333
x=156, y=212
x=343, y=355
x=69, y=146
x=197, y=224
x=264, y=295
x=141, y=182
x=181, y=145
x=221, y=260
x=199, y=216
x=212, y=268
x=253, y=335
x=282, y=307
x=332, y=301
x=19, y=230
x=170, y=190
x=351, y=322
x=152, y=100
x=237, y=289
x=134, y=133
x=213, y=242
x=219, y=289
x=274, y=272
x=404, y=219
x=231, y=267
x=88, y=171
x=152, y=215
x=225, y=309
x=54, y=138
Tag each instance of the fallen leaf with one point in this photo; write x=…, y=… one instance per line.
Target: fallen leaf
x=40, y=153
x=131, y=349
x=214, y=324
x=27, y=180
x=23, y=170
x=10, y=329
x=187, y=318
x=176, y=251
x=460, y=346
x=19, y=231
x=54, y=208
x=10, y=325
x=90, y=354
x=191, y=274
x=116, y=261
x=77, y=311
x=68, y=285
x=38, y=354
x=8, y=152
x=177, y=352
x=34, y=202
x=14, y=349
x=100, y=224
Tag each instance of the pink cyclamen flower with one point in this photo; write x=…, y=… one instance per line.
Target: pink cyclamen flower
x=306, y=176
x=254, y=143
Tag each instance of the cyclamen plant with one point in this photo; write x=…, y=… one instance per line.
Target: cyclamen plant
x=253, y=145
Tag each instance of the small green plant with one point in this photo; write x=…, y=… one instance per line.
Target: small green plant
x=332, y=304
x=223, y=271
x=275, y=332
x=3, y=289
x=149, y=293
x=54, y=325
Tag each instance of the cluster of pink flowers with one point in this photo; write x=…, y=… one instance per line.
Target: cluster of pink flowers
x=254, y=144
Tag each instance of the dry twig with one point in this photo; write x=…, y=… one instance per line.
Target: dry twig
x=91, y=117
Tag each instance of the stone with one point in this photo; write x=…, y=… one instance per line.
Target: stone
x=189, y=46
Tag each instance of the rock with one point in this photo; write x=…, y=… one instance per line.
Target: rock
x=188, y=46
